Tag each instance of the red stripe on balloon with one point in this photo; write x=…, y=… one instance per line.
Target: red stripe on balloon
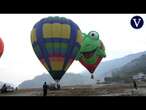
x=55, y=55
x=54, y=58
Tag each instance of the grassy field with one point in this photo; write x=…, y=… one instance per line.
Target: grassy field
x=86, y=90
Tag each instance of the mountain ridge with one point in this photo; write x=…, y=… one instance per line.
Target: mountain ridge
x=105, y=69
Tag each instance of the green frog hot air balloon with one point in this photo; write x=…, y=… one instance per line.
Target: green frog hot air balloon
x=92, y=51
x=56, y=42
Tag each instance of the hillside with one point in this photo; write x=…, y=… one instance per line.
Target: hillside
x=132, y=63
x=105, y=68
x=67, y=79
x=126, y=72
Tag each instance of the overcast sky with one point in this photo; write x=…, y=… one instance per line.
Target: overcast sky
x=19, y=62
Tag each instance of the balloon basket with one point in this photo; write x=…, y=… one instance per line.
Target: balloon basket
x=92, y=77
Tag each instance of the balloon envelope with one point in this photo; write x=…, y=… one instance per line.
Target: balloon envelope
x=1, y=47
x=91, y=67
x=92, y=51
x=56, y=42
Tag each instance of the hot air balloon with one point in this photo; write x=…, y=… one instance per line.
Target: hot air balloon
x=56, y=42
x=1, y=47
x=92, y=51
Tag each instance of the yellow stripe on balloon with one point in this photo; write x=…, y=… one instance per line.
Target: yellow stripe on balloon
x=79, y=37
x=56, y=30
x=56, y=63
x=33, y=36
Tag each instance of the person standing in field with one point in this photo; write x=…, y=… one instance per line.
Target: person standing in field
x=134, y=84
x=45, y=87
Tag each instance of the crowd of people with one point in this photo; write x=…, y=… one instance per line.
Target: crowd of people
x=7, y=88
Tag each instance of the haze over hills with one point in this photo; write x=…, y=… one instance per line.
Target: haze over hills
x=67, y=79
x=2, y=83
x=134, y=67
x=105, y=69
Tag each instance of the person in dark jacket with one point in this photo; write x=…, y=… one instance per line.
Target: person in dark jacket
x=134, y=84
x=45, y=87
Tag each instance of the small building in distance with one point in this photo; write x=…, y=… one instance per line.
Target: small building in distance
x=139, y=77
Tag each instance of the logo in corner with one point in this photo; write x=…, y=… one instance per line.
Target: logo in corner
x=137, y=22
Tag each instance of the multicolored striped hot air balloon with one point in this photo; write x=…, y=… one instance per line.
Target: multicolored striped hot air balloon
x=1, y=47
x=56, y=42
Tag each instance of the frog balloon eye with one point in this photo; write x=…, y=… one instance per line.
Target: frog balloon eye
x=94, y=34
